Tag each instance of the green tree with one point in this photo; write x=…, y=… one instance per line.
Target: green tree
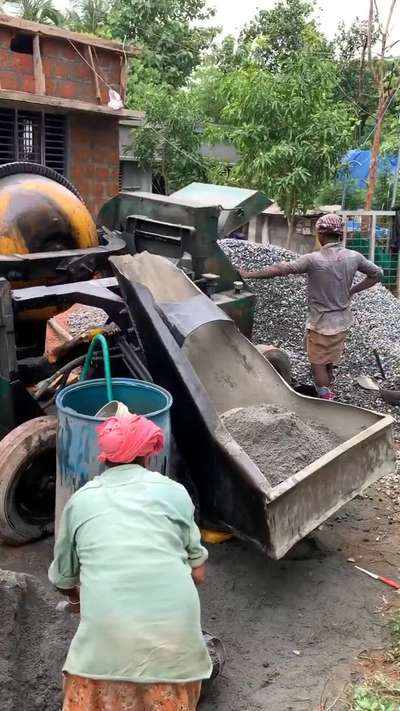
x=356, y=83
x=91, y=16
x=173, y=44
x=385, y=70
x=205, y=90
x=391, y=132
x=228, y=55
x=342, y=192
x=275, y=37
x=169, y=143
x=38, y=11
x=383, y=194
x=288, y=128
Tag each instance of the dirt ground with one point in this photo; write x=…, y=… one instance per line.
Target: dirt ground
x=292, y=629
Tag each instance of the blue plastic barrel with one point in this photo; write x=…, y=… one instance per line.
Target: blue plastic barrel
x=77, y=450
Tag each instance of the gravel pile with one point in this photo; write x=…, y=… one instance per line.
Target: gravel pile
x=86, y=318
x=280, y=320
x=279, y=442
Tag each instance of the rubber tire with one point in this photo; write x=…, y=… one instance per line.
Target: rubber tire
x=279, y=359
x=37, y=169
x=16, y=449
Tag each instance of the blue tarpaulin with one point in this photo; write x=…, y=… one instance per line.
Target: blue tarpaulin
x=358, y=166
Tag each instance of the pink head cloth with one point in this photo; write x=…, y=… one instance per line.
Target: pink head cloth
x=122, y=439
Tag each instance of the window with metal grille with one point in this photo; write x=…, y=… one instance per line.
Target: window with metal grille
x=32, y=136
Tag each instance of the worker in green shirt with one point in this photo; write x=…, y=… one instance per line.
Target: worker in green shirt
x=128, y=557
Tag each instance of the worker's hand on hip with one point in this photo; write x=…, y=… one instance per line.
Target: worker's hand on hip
x=199, y=575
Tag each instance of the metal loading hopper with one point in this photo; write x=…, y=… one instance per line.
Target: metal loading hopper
x=237, y=205
x=196, y=352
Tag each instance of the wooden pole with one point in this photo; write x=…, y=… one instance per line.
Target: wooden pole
x=372, y=239
x=38, y=74
x=89, y=55
x=124, y=77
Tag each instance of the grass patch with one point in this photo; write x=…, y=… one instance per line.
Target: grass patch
x=393, y=650
x=381, y=689
x=379, y=693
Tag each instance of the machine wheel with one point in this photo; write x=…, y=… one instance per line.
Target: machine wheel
x=37, y=169
x=278, y=359
x=27, y=481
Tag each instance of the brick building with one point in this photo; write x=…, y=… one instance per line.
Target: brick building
x=54, y=94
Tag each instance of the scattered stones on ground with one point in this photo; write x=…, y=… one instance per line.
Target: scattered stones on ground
x=280, y=320
x=279, y=442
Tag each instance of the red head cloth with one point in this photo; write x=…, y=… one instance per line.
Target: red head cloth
x=122, y=439
x=330, y=224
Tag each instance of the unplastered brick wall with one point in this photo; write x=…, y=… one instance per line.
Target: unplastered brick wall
x=94, y=158
x=16, y=68
x=69, y=76
x=65, y=66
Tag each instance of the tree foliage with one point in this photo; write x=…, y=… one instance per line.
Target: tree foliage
x=230, y=54
x=275, y=37
x=172, y=42
x=334, y=192
x=290, y=133
x=391, y=131
x=91, y=16
x=356, y=83
x=43, y=11
x=383, y=194
x=344, y=192
x=385, y=70
x=169, y=143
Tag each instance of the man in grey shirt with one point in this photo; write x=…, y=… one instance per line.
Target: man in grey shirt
x=330, y=273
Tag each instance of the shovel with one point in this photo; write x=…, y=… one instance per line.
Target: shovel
x=368, y=383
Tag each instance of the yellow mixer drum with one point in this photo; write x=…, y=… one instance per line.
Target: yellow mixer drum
x=39, y=213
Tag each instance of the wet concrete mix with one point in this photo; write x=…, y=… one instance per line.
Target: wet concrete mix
x=280, y=443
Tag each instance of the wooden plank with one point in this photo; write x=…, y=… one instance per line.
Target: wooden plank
x=34, y=28
x=89, y=56
x=70, y=104
x=40, y=80
x=124, y=77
